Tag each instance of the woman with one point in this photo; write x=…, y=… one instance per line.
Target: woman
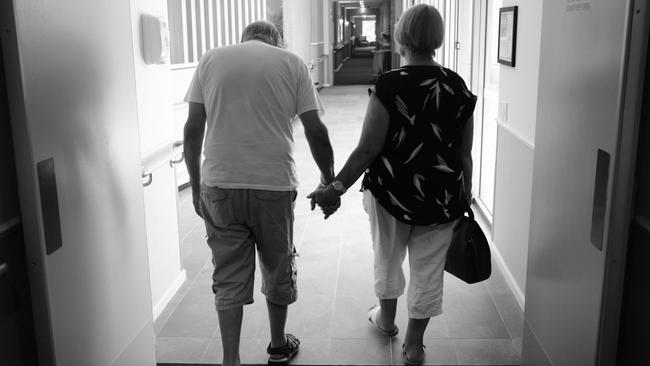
x=416, y=146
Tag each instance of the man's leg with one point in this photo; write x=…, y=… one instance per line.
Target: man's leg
x=277, y=321
x=273, y=231
x=230, y=327
x=233, y=256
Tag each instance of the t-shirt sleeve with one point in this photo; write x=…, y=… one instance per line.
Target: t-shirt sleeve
x=195, y=91
x=306, y=99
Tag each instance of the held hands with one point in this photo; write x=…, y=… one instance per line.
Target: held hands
x=327, y=198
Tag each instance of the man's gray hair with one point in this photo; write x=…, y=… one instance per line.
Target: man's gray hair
x=262, y=30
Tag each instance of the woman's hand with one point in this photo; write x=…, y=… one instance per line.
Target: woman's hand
x=327, y=198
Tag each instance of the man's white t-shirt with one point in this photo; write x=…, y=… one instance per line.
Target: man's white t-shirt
x=252, y=92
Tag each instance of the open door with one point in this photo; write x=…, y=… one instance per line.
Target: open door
x=589, y=91
x=72, y=96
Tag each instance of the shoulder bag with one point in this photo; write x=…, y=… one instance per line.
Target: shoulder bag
x=468, y=257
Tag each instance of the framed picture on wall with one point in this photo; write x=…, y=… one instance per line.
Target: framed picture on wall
x=507, y=36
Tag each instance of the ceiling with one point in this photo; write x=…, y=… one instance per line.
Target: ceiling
x=368, y=3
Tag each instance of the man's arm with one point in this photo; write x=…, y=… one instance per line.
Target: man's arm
x=193, y=134
x=319, y=144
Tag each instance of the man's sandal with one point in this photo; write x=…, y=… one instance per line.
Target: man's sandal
x=409, y=362
x=282, y=355
x=372, y=317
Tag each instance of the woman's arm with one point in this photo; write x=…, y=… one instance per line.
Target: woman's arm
x=465, y=153
x=371, y=142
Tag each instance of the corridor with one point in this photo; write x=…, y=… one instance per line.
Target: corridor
x=481, y=324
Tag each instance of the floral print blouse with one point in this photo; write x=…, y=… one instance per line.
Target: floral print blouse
x=418, y=176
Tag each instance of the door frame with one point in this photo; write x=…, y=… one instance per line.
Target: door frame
x=478, y=84
x=622, y=200
x=27, y=188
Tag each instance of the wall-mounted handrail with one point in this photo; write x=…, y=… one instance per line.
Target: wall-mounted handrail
x=312, y=65
x=166, y=154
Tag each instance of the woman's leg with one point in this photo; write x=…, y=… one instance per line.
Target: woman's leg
x=389, y=247
x=386, y=315
x=427, y=248
x=414, y=338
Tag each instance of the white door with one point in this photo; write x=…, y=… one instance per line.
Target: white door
x=582, y=78
x=73, y=107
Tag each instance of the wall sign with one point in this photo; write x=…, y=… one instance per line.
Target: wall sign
x=577, y=5
x=507, y=36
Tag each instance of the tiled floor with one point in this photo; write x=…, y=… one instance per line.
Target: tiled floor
x=481, y=324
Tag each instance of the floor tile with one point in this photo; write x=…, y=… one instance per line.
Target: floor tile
x=213, y=353
x=437, y=352
x=496, y=284
x=182, y=350
x=474, y=318
x=486, y=352
x=350, y=318
x=310, y=317
x=313, y=351
x=511, y=314
x=359, y=351
x=194, y=317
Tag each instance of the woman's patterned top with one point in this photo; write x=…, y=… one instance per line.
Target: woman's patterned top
x=418, y=176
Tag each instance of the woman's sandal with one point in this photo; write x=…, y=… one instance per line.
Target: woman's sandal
x=372, y=317
x=409, y=362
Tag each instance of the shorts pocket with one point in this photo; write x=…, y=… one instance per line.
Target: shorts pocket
x=271, y=195
x=214, y=194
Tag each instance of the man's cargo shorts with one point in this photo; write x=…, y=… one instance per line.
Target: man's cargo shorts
x=237, y=222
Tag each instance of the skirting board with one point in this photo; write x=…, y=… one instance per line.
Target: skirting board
x=169, y=294
x=498, y=258
x=510, y=279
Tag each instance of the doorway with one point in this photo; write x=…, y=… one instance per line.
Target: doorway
x=17, y=338
x=362, y=45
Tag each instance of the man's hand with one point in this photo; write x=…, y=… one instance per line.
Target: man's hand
x=196, y=200
x=327, y=198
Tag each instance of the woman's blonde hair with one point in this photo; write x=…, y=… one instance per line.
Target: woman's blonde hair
x=420, y=31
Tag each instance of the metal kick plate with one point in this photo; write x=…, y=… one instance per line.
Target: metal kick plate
x=49, y=205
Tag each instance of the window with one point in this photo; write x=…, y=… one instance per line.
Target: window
x=368, y=30
x=196, y=26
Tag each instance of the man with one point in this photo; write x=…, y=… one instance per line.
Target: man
x=243, y=98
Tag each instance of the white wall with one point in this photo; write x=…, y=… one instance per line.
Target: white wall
x=76, y=59
x=156, y=126
x=153, y=83
x=297, y=27
x=515, y=146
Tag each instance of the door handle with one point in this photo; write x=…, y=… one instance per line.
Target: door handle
x=4, y=268
x=600, y=199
